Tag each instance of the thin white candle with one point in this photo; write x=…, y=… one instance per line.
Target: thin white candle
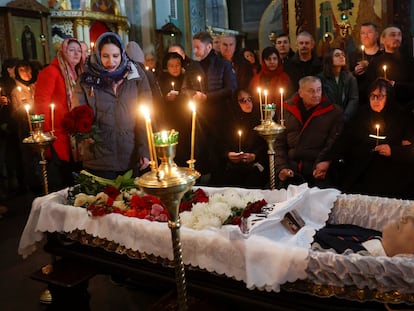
x=27, y=107
x=193, y=129
x=150, y=138
x=259, y=90
x=385, y=71
x=363, y=51
x=52, y=116
x=199, y=82
x=378, y=131
x=240, y=135
x=265, y=97
x=172, y=86
x=282, y=121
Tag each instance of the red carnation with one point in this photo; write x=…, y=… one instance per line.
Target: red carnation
x=112, y=191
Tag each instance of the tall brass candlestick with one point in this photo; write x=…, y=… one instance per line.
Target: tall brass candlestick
x=170, y=183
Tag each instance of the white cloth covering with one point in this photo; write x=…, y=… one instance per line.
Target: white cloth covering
x=265, y=259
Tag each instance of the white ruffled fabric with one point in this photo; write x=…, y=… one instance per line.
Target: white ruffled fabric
x=267, y=258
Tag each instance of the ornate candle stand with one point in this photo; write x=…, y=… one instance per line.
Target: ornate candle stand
x=269, y=129
x=41, y=141
x=170, y=182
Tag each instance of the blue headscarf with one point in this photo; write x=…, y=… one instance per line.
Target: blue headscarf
x=96, y=74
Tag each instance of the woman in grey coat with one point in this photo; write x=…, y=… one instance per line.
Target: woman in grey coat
x=114, y=87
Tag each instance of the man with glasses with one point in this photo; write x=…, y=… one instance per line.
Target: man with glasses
x=312, y=125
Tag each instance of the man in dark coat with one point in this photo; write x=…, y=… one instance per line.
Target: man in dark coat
x=212, y=92
x=312, y=125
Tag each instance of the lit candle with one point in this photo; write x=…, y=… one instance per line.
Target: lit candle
x=92, y=46
x=27, y=107
x=146, y=68
x=378, y=132
x=52, y=113
x=193, y=128
x=259, y=90
x=150, y=138
x=363, y=51
x=172, y=86
x=385, y=71
x=265, y=96
x=240, y=135
x=199, y=82
x=19, y=88
x=282, y=121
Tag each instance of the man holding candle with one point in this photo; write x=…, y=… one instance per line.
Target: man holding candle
x=213, y=98
x=313, y=124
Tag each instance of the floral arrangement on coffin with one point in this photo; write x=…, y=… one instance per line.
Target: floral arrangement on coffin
x=101, y=196
x=79, y=124
x=222, y=208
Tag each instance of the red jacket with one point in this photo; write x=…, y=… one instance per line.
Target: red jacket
x=50, y=88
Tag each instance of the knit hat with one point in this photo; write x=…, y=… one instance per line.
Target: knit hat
x=135, y=52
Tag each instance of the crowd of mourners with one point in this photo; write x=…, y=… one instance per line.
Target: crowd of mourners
x=348, y=114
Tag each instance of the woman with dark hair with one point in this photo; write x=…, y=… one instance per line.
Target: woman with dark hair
x=377, y=147
x=272, y=77
x=246, y=65
x=174, y=112
x=245, y=152
x=338, y=83
x=114, y=87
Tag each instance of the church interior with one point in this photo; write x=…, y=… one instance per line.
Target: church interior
x=34, y=30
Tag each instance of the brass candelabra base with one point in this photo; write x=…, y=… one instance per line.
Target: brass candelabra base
x=269, y=130
x=170, y=183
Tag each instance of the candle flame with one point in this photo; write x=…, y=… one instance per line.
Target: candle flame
x=27, y=107
x=265, y=92
x=259, y=90
x=240, y=133
x=52, y=105
x=146, y=68
x=145, y=112
x=192, y=106
x=199, y=79
x=377, y=126
x=362, y=48
x=19, y=88
x=164, y=136
x=384, y=67
x=281, y=90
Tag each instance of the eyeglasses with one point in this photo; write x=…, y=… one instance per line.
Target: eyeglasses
x=377, y=96
x=245, y=100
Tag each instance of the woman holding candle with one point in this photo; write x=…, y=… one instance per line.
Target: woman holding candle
x=376, y=147
x=173, y=112
x=338, y=84
x=114, y=87
x=272, y=77
x=245, y=152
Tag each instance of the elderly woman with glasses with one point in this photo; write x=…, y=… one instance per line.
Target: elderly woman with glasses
x=244, y=151
x=376, y=148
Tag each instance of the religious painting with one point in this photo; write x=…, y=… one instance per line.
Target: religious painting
x=338, y=22
x=105, y=6
x=26, y=41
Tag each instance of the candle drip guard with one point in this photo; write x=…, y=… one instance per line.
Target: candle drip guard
x=170, y=182
x=269, y=130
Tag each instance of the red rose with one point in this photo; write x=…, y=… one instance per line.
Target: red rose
x=83, y=125
x=83, y=111
x=68, y=124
